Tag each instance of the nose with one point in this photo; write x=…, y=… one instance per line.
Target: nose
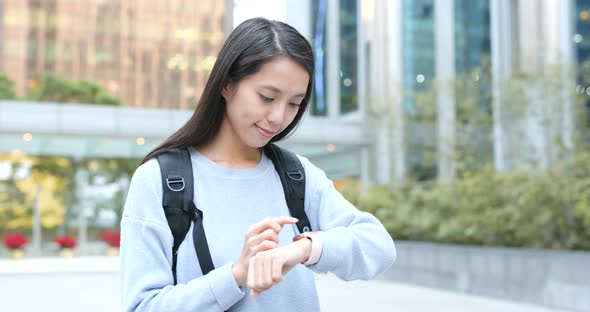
x=276, y=114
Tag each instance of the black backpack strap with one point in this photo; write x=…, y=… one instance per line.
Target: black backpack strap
x=200, y=241
x=292, y=175
x=179, y=208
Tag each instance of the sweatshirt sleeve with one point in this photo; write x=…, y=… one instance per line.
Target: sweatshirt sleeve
x=147, y=283
x=355, y=244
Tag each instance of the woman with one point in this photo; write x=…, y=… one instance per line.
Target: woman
x=257, y=93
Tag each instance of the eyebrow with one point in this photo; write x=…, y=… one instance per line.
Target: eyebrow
x=277, y=90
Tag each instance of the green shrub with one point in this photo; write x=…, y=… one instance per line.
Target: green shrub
x=537, y=209
x=54, y=88
x=6, y=88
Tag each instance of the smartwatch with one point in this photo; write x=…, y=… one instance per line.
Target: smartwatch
x=316, y=246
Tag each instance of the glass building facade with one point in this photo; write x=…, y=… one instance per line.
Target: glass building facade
x=472, y=53
x=472, y=41
x=472, y=34
x=149, y=53
x=418, y=56
x=347, y=75
x=581, y=40
x=582, y=30
x=418, y=47
x=318, y=42
x=349, y=84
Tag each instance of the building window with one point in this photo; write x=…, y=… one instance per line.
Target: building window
x=348, y=56
x=581, y=40
x=418, y=48
x=472, y=34
x=318, y=42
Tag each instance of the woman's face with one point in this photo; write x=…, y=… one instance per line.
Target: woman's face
x=263, y=104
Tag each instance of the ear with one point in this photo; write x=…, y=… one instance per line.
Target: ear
x=226, y=91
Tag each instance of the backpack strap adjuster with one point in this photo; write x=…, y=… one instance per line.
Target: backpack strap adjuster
x=175, y=180
x=295, y=175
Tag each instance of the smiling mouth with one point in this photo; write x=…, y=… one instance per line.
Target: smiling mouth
x=264, y=132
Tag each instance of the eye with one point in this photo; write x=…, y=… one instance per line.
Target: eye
x=295, y=104
x=266, y=98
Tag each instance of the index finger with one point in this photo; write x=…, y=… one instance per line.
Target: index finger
x=273, y=223
x=285, y=220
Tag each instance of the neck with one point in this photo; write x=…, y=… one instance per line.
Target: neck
x=228, y=150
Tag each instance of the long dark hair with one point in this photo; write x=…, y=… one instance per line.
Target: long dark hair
x=250, y=45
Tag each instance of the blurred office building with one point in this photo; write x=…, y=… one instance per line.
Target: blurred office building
x=150, y=53
x=376, y=60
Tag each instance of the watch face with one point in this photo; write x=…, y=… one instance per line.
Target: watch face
x=302, y=235
x=298, y=237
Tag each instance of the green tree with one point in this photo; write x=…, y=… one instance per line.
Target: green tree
x=54, y=88
x=6, y=88
x=473, y=146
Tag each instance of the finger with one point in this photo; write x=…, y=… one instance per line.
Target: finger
x=259, y=275
x=277, y=271
x=269, y=235
x=267, y=273
x=250, y=280
x=264, y=225
x=254, y=280
x=285, y=220
x=265, y=245
x=255, y=294
x=274, y=223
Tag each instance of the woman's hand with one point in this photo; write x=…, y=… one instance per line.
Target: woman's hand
x=260, y=237
x=267, y=268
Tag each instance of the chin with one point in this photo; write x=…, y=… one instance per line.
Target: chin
x=260, y=144
x=257, y=143
x=255, y=140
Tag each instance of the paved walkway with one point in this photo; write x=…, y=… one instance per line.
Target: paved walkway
x=92, y=284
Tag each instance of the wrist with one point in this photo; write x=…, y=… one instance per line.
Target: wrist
x=313, y=247
x=239, y=274
x=304, y=245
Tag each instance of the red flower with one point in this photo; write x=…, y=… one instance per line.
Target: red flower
x=15, y=240
x=113, y=238
x=66, y=241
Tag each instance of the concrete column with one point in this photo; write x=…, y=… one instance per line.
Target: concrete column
x=1, y=33
x=298, y=15
x=362, y=62
x=558, y=30
x=333, y=76
x=444, y=29
x=394, y=85
x=37, y=227
x=531, y=134
x=379, y=106
x=82, y=206
x=566, y=47
x=503, y=25
x=530, y=26
x=545, y=33
x=365, y=168
x=566, y=30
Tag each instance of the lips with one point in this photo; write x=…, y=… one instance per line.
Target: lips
x=265, y=133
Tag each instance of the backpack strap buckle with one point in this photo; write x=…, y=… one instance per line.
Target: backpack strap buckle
x=178, y=183
x=295, y=175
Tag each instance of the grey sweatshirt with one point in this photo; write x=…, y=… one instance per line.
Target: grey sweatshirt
x=355, y=243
